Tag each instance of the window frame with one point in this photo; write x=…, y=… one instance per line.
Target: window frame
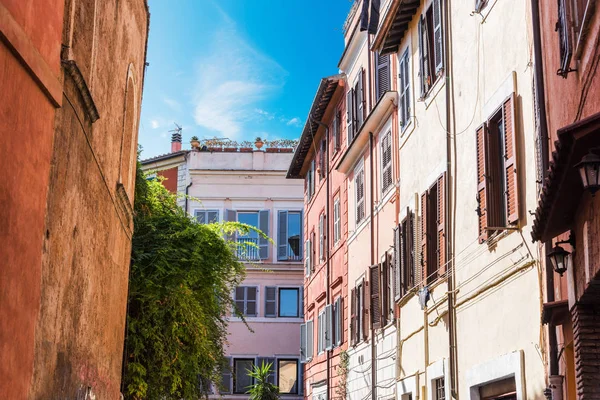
x=359, y=171
x=290, y=258
x=205, y=212
x=298, y=366
x=427, y=29
x=386, y=168
x=337, y=220
x=245, y=300
x=234, y=373
x=321, y=332
x=298, y=302
x=404, y=89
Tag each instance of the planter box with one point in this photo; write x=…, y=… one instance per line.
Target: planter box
x=271, y=150
x=286, y=150
x=215, y=149
x=246, y=150
x=230, y=149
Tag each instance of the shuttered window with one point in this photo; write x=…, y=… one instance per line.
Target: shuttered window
x=245, y=300
x=359, y=188
x=337, y=225
x=350, y=114
x=386, y=162
x=321, y=332
x=241, y=378
x=433, y=235
x=404, y=81
x=390, y=279
x=206, y=216
x=323, y=159
x=360, y=100
x=398, y=262
x=431, y=46
x=310, y=182
x=497, y=180
x=322, y=235
x=338, y=321
x=358, y=331
x=375, y=296
x=382, y=74
x=337, y=131
x=328, y=334
x=270, y=301
x=406, y=233
x=289, y=243
x=564, y=37
x=226, y=376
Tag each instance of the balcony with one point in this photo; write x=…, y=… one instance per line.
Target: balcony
x=247, y=249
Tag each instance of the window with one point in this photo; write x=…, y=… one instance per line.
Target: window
x=338, y=322
x=323, y=160
x=404, y=257
x=241, y=379
x=433, y=237
x=439, y=390
x=206, y=216
x=359, y=188
x=388, y=292
x=287, y=376
x=479, y=4
x=375, y=297
x=251, y=246
x=430, y=46
x=404, y=108
x=308, y=260
x=289, y=245
x=337, y=130
x=357, y=313
x=289, y=302
x=564, y=37
x=382, y=75
x=226, y=376
x=337, y=225
x=245, y=300
x=355, y=106
x=386, y=162
x=321, y=332
x=310, y=181
x=307, y=341
x=497, y=183
x=260, y=361
x=322, y=236
x=324, y=329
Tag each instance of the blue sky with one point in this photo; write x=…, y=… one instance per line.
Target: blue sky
x=236, y=68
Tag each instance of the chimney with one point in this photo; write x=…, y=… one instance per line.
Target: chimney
x=175, y=141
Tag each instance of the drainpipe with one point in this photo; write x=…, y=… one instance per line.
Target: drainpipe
x=326, y=244
x=449, y=226
x=372, y=211
x=544, y=141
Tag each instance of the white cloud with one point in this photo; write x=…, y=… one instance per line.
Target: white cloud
x=294, y=122
x=233, y=78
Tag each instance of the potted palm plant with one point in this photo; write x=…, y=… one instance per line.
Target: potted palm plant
x=262, y=389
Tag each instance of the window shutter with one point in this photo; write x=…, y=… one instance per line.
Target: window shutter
x=270, y=301
x=365, y=321
x=384, y=291
x=301, y=302
x=310, y=332
x=339, y=321
x=321, y=237
x=335, y=132
x=251, y=301
x=441, y=221
x=382, y=75
x=438, y=36
x=482, y=174
x=349, y=114
x=313, y=256
x=375, y=296
x=386, y=160
x=282, y=245
x=263, y=242
x=424, y=237
x=402, y=92
x=353, y=326
x=409, y=263
x=398, y=263
x=566, y=50
x=307, y=257
x=231, y=216
x=510, y=164
x=423, y=56
x=226, y=376
x=328, y=327
x=338, y=129
x=303, y=343
x=360, y=100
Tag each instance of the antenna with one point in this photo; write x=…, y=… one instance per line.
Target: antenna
x=176, y=136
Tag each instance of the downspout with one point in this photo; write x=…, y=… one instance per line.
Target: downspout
x=540, y=94
x=372, y=213
x=326, y=244
x=450, y=217
x=187, y=188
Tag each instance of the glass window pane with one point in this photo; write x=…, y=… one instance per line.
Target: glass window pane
x=288, y=302
x=249, y=218
x=288, y=376
x=201, y=217
x=242, y=379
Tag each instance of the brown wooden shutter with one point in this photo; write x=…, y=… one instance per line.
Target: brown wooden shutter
x=441, y=221
x=384, y=291
x=510, y=164
x=398, y=263
x=423, y=249
x=364, y=316
x=353, y=325
x=482, y=174
x=350, y=114
x=409, y=262
x=375, y=296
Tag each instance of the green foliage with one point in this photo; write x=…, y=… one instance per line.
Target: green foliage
x=181, y=279
x=342, y=370
x=262, y=389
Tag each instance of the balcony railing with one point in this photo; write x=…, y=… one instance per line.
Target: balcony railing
x=248, y=249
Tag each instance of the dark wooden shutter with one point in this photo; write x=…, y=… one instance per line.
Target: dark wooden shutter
x=382, y=74
x=423, y=56
x=441, y=221
x=566, y=50
x=398, y=263
x=423, y=249
x=226, y=376
x=251, y=301
x=510, y=163
x=384, y=291
x=375, y=298
x=360, y=100
x=353, y=324
x=409, y=263
x=438, y=36
x=263, y=242
x=364, y=315
x=270, y=301
x=482, y=174
x=350, y=114
x=282, y=235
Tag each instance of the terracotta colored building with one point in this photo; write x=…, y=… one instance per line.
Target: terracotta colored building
x=72, y=76
x=324, y=335
x=567, y=218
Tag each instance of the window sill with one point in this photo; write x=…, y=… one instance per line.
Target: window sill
x=434, y=90
x=358, y=229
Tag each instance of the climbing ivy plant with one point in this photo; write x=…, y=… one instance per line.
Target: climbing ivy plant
x=182, y=275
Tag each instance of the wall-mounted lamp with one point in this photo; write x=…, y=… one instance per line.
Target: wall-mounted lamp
x=561, y=259
x=589, y=170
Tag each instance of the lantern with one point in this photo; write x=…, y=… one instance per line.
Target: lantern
x=589, y=170
x=560, y=259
